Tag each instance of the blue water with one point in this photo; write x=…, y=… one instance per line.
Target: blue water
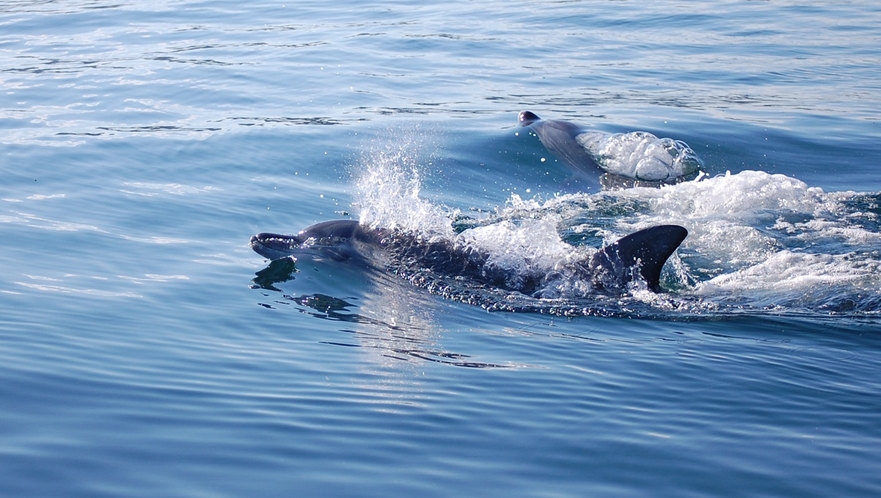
x=145, y=350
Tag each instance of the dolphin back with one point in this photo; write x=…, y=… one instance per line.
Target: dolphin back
x=559, y=138
x=645, y=251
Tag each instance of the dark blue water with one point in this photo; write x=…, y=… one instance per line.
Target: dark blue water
x=146, y=350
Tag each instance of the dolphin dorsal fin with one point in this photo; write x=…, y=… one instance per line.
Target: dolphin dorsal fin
x=646, y=250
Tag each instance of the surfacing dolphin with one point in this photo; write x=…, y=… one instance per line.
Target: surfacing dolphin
x=637, y=156
x=559, y=138
x=607, y=271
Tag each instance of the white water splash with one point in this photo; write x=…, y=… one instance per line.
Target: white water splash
x=755, y=239
x=640, y=155
x=531, y=247
x=728, y=217
x=389, y=184
x=787, y=280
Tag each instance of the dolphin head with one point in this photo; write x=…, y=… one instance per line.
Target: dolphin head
x=330, y=238
x=528, y=117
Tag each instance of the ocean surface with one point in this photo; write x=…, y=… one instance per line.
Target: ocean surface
x=146, y=350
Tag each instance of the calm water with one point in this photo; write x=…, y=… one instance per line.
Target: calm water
x=145, y=350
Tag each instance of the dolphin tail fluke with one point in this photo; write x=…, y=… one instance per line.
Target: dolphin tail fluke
x=647, y=251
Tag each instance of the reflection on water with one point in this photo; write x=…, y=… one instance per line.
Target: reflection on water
x=278, y=271
x=393, y=323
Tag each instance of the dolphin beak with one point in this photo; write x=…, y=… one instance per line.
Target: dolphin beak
x=273, y=245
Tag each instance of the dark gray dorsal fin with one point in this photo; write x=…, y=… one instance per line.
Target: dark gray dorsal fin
x=647, y=250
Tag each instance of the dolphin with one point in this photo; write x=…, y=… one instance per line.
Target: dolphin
x=559, y=138
x=608, y=271
x=617, y=159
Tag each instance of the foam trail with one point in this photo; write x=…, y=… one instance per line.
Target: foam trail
x=791, y=280
x=730, y=218
x=770, y=242
x=756, y=240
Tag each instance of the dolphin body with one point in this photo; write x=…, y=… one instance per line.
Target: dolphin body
x=608, y=271
x=616, y=160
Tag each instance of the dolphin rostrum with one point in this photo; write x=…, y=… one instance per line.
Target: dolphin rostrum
x=608, y=271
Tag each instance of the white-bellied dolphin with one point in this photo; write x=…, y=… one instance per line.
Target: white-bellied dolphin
x=609, y=270
x=638, y=156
